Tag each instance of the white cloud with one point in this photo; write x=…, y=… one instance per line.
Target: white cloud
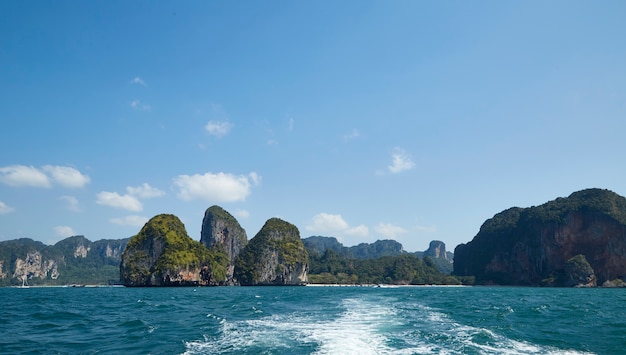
x=242, y=213
x=72, y=203
x=67, y=176
x=335, y=224
x=256, y=179
x=400, y=161
x=21, y=175
x=144, y=191
x=214, y=188
x=326, y=222
x=4, y=209
x=64, y=231
x=113, y=199
x=133, y=221
x=272, y=142
x=139, y=81
x=352, y=135
x=137, y=105
x=358, y=231
x=389, y=230
x=218, y=128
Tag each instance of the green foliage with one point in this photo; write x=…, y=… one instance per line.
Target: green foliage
x=178, y=252
x=276, y=235
x=333, y=268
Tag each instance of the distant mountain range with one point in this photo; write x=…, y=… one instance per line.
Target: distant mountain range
x=317, y=245
x=579, y=240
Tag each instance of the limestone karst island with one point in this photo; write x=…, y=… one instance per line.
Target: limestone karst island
x=574, y=241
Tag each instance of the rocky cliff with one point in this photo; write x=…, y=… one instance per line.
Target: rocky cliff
x=74, y=260
x=275, y=256
x=437, y=250
x=162, y=254
x=535, y=246
x=221, y=230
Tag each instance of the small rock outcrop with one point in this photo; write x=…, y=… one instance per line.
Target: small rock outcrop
x=275, y=256
x=534, y=246
x=578, y=272
x=221, y=230
x=162, y=254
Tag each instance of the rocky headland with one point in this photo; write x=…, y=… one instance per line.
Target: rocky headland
x=575, y=241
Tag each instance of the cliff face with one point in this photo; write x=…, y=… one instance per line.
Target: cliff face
x=532, y=246
x=436, y=250
x=275, y=256
x=34, y=265
x=72, y=260
x=221, y=230
x=162, y=254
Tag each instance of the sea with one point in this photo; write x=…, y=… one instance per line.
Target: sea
x=312, y=320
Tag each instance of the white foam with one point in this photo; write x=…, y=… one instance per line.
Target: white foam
x=356, y=331
x=365, y=326
x=463, y=338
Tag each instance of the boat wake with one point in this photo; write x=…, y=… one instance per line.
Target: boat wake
x=363, y=325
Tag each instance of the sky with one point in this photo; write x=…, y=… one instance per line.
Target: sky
x=362, y=120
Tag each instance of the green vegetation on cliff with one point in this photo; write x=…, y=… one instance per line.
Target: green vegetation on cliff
x=277, y=239
x=162, y=248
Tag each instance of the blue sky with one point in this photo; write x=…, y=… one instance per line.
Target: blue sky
x=363, y=120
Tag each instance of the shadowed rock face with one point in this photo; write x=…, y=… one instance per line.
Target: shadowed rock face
x=275, y=256
x=220, y=229
x=532, y=246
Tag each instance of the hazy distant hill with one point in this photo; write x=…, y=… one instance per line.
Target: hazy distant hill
x=380, y=248
x=317, y=245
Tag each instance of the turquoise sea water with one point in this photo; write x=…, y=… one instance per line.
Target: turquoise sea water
x=312, y=320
